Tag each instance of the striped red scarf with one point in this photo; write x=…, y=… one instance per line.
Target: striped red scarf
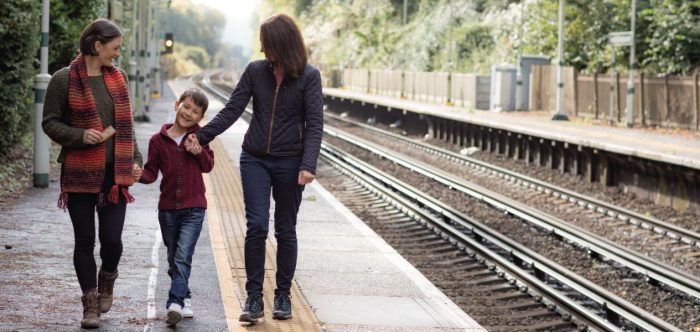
x=84, y=168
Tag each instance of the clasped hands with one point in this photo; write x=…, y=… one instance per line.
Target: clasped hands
x=192, y=145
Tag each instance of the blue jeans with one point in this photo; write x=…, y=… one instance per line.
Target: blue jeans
x=259, y=176
x=180, y=229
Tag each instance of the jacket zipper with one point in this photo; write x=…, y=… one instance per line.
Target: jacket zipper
x=272, y=119
x=301, y=135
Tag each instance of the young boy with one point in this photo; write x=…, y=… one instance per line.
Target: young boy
x=182, y=202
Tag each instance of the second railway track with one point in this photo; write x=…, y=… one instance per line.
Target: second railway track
x=633, y=282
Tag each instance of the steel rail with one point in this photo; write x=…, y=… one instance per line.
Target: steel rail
x=653, y=269
x=658, y=226
x=415, y=202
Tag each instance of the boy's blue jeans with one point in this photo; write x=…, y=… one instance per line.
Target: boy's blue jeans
x=180, y=229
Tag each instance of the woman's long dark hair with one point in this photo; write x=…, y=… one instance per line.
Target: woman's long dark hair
x=283, y=44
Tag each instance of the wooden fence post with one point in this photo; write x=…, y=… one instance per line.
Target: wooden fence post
x=667, y=101
x=696, y=101
x=642, y=99
x=369, y=80
x=618, y=99
x=595, y=93
x=575, y=85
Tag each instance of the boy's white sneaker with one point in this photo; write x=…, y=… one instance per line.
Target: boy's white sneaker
x=187, y=309
x=174, y=314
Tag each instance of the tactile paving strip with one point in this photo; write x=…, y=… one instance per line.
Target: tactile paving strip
x=226, y=217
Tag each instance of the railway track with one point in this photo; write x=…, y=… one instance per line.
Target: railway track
x=545, y=295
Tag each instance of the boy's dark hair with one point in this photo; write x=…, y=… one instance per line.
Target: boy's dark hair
x=102, y=30
x=197, y=96
x=283, y=44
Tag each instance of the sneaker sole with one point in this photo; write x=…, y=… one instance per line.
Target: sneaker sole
x=246, y=319
x=281, y=317
x=174, y=317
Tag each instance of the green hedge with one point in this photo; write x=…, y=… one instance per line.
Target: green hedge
x=19, y=42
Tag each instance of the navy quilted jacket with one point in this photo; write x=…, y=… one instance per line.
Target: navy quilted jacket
x=287, y=121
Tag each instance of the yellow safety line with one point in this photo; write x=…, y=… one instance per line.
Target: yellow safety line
x=226, y=218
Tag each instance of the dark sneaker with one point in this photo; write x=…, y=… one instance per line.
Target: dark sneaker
x=283, y=307
x=253, y=310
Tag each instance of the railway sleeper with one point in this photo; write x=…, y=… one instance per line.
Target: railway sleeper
x=504, y=287
x=486, y=280
x=538, y=313
x=555, y=325
x=516, y=295
x=456, y=261
x=523, y=305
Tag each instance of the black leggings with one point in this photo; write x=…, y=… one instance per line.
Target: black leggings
x=81, y=208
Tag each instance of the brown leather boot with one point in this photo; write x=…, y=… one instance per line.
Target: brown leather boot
x=105, y=287
x=91, y=310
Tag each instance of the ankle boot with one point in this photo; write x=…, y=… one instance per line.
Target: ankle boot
x=91, y=310
x=105, y=287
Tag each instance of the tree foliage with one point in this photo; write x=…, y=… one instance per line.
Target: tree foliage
x=195, y=26
x=19, y=41
x=67, y=21
x=472, y=35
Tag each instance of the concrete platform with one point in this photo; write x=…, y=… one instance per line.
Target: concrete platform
x=348, y=278
x=351, y=279
x=638, y=142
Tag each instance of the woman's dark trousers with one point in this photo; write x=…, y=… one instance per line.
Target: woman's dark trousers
x=260, y=175
x=81, y=208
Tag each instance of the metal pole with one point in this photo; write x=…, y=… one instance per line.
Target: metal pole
x=450, y=63
x=560, y=115
x=41, y=141
x=633, y=65
x=519, y=93
x=612, y=88
x=141, y=113
x=403, y=72
x=133, y=70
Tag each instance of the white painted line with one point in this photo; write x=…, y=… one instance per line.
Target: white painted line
x=153, y=281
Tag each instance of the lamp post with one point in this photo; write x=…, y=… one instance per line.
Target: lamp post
x=633, y=66
x=403, y=50
x=560, y=114
x=41, y=141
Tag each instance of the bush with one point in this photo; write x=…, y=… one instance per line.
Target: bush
x=19, y=42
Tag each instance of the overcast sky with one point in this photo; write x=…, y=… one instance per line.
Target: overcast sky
x=239, y=15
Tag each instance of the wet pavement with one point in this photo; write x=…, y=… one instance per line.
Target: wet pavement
x=38, y=287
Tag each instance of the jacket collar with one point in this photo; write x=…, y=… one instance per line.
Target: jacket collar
x=164, y=129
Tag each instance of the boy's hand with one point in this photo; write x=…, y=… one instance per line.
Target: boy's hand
x=305, y=177
x=192, y=144
x=136, y=172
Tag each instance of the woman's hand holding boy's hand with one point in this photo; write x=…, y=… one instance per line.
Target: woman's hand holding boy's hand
x=92, y=136
x=192, y=144
x=136, y=172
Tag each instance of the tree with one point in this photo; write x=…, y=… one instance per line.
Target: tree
x=19, y=32
x=68, y=19
x=195, y=26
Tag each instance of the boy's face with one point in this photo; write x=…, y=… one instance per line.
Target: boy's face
x=187, y=113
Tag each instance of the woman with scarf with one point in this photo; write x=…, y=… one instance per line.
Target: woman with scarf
x=83, y=103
